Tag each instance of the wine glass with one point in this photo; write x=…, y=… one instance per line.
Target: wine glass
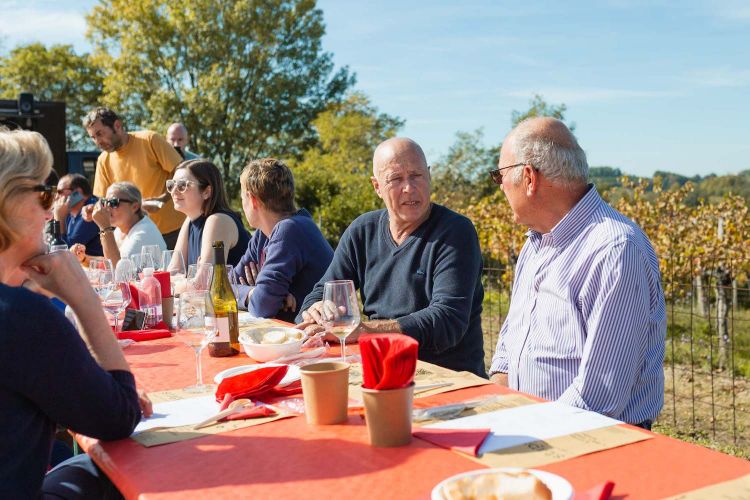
x=117, y=300
x=195, y=331
x=125, y=270
x=340, y=310
x=199, y=277
x=154, y=256
x=172, y=261
x=101, y=276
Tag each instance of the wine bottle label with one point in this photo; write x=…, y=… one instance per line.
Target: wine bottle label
x=222, y=328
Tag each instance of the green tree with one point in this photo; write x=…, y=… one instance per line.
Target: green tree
x=461, y=175
x=539, y=107
x=54, y=73
x=246, y=77
x=333, y=178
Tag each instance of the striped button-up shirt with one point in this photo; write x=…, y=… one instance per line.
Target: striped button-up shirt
x=587, y=320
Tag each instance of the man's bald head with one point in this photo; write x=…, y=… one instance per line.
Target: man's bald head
x=397, y=149
x=177, y=135
x=549, y=145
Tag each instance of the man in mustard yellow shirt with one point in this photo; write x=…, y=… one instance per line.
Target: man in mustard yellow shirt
x=143, y=158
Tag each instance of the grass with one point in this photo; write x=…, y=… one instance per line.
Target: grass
x=706, y=402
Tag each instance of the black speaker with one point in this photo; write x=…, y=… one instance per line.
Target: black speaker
x=25, y=103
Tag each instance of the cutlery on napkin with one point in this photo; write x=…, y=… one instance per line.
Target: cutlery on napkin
x=389, y=361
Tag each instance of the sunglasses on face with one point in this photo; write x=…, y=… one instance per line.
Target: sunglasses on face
x=497, y=174
x=46, y=195
x=114, y=202
x=179, y=186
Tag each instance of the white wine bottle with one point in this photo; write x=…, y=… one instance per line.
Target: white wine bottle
x=224, y=314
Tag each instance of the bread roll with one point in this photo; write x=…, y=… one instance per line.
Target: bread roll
x=496, y=486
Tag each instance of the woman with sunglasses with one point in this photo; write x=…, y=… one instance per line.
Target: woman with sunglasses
x=124, y=227
x=50, y=373
x=198, y=191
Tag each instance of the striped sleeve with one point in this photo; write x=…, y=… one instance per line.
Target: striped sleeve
x=616, y=294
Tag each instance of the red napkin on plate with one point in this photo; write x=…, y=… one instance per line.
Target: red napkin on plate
x=252, y=384
x=141, y=335
x=389, y=360
x=254, y=412
x=464, y=440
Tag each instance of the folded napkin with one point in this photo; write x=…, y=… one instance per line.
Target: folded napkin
x=141, y=335
x=253, y=412
x=463, y=440
x=254, y=384
x=134, y=303
x=165, y=282
x=388, y=360
x=599, y=492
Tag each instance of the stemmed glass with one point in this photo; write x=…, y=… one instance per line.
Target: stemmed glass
x=101, y=276
x=172, y=261
x=193, y=330
x=125, y=270
x=340, y=310
x=116, y=302
x=154, y=256
x=199, y=277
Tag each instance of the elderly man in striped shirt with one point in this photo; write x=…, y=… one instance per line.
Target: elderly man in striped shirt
x=587, y=320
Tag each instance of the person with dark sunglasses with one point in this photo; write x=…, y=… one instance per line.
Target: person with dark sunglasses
x=73, y=195
x=51, y=373
x=124, y=227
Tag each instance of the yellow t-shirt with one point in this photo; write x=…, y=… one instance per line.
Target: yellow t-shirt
x=147, y=160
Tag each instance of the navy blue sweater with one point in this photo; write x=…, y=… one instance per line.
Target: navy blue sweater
x=431, y=283
x=47, y=376
x=294, y=257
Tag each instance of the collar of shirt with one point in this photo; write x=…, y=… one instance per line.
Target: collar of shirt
x=571, y=225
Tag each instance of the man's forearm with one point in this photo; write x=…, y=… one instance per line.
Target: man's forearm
x=380, y=326
x=499, y=379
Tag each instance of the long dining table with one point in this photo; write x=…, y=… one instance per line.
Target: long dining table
x=290, y=459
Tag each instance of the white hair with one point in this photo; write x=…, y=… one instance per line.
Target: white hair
x=563, y=164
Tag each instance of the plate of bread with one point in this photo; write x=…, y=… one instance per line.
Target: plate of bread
x=505, y=483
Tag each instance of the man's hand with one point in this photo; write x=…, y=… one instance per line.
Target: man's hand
x=290, y=303
x=249, y=274
x=499, y=379
x=60, y=209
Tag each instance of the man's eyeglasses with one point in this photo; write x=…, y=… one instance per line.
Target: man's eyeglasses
x=46, y=195
x=497, y=174
x=114, y=202
x=180, y=186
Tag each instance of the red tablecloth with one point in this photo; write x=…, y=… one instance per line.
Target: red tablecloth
x=289, y=459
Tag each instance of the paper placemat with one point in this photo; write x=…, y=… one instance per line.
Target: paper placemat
x=538, y=453
x=736, y=489
x=156, y=437
x=426, y=374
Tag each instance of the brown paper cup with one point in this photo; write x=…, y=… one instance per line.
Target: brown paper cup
x=388, y=416
x=167, y=310
x=325, y=388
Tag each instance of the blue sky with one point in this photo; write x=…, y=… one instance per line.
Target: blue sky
x=651, y=85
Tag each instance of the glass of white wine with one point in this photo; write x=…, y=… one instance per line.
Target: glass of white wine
x=340, y=310
x=194, y=331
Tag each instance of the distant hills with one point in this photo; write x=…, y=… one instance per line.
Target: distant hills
x=711, y=187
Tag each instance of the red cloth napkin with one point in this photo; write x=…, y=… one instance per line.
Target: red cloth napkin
x=254, y=384
x=464, y=440
x=254, y=412
x=141, y=335
x=134, y=303
x=389, y=360
x=599, y=492
x=164, y=279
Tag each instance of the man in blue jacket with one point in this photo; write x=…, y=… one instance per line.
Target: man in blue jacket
x=417, y=265
x=287, y=254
